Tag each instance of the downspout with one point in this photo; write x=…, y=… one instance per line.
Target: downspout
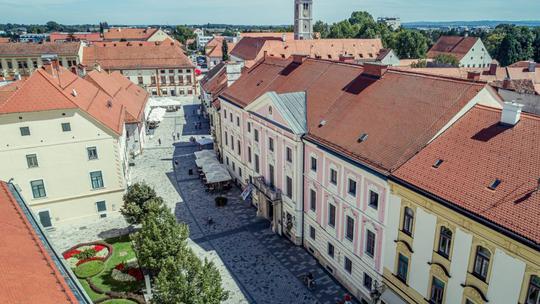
x=303, y=185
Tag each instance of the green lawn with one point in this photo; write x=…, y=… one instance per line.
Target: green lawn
x=89, y=269
x=122, y=251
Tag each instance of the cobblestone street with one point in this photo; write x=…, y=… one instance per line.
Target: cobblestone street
x=257, y=266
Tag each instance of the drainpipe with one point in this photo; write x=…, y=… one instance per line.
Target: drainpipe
x=158, y=79
x=302, y=146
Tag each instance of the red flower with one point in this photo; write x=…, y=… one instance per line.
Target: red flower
x=88, y=260
x=136, y=273
x=71, y=253
x=99, y=247
x=120, y=266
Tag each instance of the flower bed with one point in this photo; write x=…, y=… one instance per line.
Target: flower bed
x=83, y=253
x=127, y=272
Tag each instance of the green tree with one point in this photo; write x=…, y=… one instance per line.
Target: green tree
x=322, y=28
x=343, y=29
x=422, y=63
x=447, y=59
x=159, y=237
x=509, y=50
x=54, y=27
x=135, y=199
x=225, y=50
x=183, y=33
x=536, y=45
x=184, y=278
x=411, y=44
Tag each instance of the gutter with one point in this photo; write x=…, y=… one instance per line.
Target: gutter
x=469, y=214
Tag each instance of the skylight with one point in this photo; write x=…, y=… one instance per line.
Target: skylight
x=494, y=184
x=438, y=163
x=362, y=137
x=322, y=123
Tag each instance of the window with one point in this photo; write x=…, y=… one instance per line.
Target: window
x=403, y=268
x=289, y=187
x=288, y=154
x=348, y=265
x=408, y=218
x=224, y=113
x=240, y=171
x=38, y=188
x=437, y=291
x=271, y=144
x=171, y=79
x=352, y=187
x=481, y=263
x=350, y=228
x=333, y=176
x=270, y=110
x=373, y=199
x=533, y=293
x=368, y=281
x=271, y=174
x=31, y=160
x=227, y=160
x=140, y=80
x=45, y=218
x=249, y=127
x=25, y=131
x=92, y=153
x=331, y=215
x=101, y=207
x=370, y=243
x=97, y=179
x=163, y=79
x=231, y=118
x=238, y=121
x=256, y=135
x=445, y=241
x=330, y=250
x=239, y=147
x=313, y=164
x=312, y=232
x=249, y=155
x=257, y=163
x=313, y=200
x=226, y=138
x=66, y=127
x=233, y=167
x=153, y=79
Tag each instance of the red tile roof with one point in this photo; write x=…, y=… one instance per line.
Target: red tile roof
x=4, y=40
x=38, y=49
x=214, y=47
x=475, y=151
x=353, y=103
x=136, y=55
x=106, y=97
x=215, y=81
x=252, y=49
x=117, y=34
x=28, y=274
x=452, y=45
x=91, y=37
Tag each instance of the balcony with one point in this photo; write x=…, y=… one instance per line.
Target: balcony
x=271, y=192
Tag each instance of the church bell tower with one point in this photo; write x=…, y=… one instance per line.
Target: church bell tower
x=303, y=19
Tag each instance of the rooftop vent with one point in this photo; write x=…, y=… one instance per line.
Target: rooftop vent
x=322, y=123
x=362, y=137
x=473, y=75
x=511, y=113
x=109, y=103
x=374, y=69
x=74, y=93
x=438, y=163
x=494, y=184
x=531, y=67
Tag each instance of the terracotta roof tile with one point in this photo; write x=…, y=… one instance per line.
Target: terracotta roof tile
x=27, y=272
x=215, y=80
x=38, y=49
x=117, y=34
x=453, y=45
x=136, y=55
x=90, y=36
x=475, y=151
x=353, y=103
x=214, y=47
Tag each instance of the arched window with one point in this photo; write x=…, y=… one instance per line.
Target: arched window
x=445, y=241
x=408, y=219
x=533, y=294
x=481, y=263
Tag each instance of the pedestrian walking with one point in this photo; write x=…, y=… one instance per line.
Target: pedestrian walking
x=178, y=135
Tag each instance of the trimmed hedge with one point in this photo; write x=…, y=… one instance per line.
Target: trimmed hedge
x=89, y=269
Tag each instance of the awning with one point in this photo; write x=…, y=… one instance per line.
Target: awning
x=218, y=175
x=205, y=141
x=205, y=154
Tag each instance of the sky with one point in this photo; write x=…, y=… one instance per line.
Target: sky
x=256, y=12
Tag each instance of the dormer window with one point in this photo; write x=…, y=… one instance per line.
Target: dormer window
x=322, y=123
x=363, y=137
x=438, y=163
x=494, y=184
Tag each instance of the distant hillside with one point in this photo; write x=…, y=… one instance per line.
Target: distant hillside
x=481, y=23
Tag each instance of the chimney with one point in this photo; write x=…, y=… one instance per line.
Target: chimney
x=234, y=71
x=507, y=83
x=374, y=69
x=18, y=77
x=283, y=37
x=299, y=59
x=472, y=75
x=511, y=113
x=48, y=66
x=531, y=66
x=493, y=69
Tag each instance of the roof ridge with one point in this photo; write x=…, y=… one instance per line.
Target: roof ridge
x=492, y=109
x=436, y=76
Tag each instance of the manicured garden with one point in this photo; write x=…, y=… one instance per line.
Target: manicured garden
x=108, y=270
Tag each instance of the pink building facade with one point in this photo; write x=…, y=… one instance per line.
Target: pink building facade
x=345, y=211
